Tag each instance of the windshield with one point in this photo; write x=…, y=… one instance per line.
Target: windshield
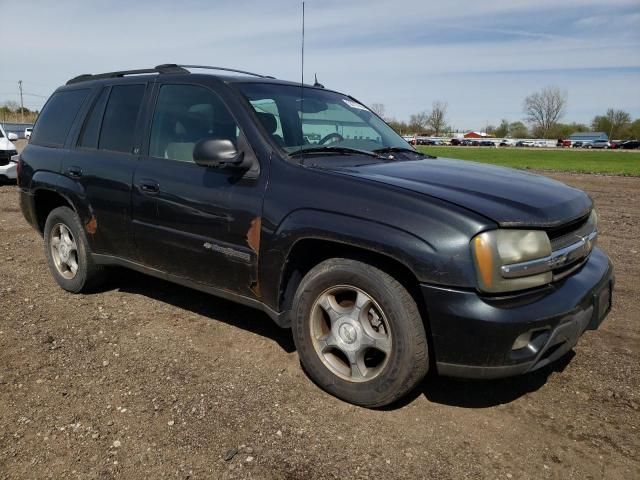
x=314, y=120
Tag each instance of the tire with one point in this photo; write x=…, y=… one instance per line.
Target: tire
x=341, y=308
x=61, y=226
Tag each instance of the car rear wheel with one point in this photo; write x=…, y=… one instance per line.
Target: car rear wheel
x=67, y=252
x=359, y=333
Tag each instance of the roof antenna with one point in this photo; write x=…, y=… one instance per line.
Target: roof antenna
x=316, y=84
x=302, y=67
x=302, y=83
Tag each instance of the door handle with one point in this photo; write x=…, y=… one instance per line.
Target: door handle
x=149, y=186
x=75, y=172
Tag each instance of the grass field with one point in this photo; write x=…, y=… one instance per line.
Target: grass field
x=561, y=160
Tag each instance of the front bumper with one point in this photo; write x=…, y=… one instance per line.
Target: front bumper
x=9, y=170
x=473, y=335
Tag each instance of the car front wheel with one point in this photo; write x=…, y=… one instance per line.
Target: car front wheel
x=359, y=333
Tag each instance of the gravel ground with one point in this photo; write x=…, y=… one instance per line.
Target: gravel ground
x=151, y=380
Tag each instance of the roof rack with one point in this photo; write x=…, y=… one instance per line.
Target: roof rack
x=208, y=67
x=160, y=69
x=166, y=68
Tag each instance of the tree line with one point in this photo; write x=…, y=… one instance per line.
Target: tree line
x=542, y=111
x=10, y=112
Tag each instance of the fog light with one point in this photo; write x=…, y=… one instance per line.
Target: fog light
x=522, y=341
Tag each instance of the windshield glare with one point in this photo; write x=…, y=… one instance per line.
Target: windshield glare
x=309, y=118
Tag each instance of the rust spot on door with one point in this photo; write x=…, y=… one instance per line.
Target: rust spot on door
x=92, y=226
x=253, y=235
x=255, y=288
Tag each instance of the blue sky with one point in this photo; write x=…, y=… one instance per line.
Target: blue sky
x=482, y=58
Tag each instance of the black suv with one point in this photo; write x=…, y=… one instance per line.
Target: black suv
x=301, y=202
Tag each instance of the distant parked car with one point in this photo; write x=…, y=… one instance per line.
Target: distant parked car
x=587, y=144
x=456, y=141
x=600, y=144
x=506, y=142
x=7, y=153
x=487, y=143
x=27, y=132
x=525, y=143
x=577, y=144
x=540, y=143
x=466, y=142
x=630, y=145
x=563, y=143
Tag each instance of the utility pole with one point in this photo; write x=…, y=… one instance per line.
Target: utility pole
x=21, y=101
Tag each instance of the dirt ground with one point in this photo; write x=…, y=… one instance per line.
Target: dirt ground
x=150, y=380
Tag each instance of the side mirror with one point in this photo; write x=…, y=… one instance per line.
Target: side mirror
x=217, y=153
x=12, y=137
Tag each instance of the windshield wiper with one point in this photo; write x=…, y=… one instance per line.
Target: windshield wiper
x=336, y=150
x=396, y=149
x=401, y=150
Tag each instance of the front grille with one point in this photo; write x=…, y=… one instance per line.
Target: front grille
x=569, y=234
x=574, y=232
x=567, y=228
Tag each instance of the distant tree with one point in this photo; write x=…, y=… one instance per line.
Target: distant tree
x=418, y=122
x=11, y=106
x=503, y=129
x=490, y=130
x=400, y=127
x=518, y=130
x=564, y=130
x=436, y=119
x=378, y=109
x=544, y=108
x=632, y=132
x=617, y=120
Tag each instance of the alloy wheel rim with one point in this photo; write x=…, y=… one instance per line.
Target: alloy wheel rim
x=64, y=251
x=350, y=333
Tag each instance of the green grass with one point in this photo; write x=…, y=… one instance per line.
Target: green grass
x=561, y=160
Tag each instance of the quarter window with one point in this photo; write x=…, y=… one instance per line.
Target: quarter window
x=120, y=118
x=184, y=115
x=56, y=118
x=91, y=130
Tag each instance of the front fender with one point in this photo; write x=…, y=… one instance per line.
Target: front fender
x=419, y=256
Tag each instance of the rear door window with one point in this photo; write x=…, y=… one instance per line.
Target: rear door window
x=120, y=118
x=57, y=116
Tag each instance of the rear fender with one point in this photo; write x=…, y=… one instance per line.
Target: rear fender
x=69, y=189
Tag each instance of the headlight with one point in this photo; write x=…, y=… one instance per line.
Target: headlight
x=496, y=249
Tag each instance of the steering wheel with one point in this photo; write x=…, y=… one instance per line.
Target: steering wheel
x=325, y=139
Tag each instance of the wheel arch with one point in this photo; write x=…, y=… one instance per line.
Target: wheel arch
x=308, y=252
x=50, y=191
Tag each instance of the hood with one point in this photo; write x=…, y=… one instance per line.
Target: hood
x=6, y=144
x=511, y=198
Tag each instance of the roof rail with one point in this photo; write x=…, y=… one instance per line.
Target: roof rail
x=207, y=67
x=166, y=68
x=161, y=69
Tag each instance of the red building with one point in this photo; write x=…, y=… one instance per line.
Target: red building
x=477, y=135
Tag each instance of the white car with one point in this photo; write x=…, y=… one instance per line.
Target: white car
x=8, y=155
x=27, y=132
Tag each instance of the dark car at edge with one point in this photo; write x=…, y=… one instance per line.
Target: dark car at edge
x=299, y=201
